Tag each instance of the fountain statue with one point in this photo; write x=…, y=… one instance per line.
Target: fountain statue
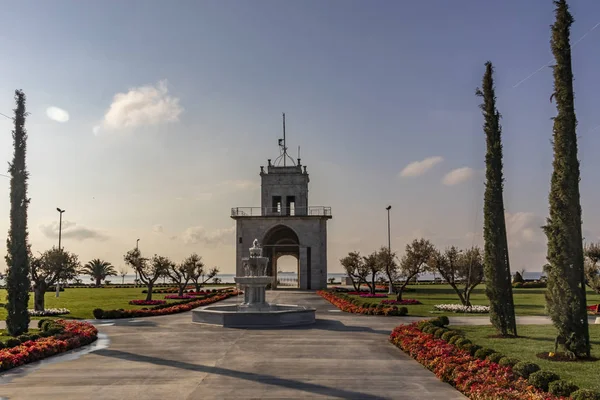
x=254, y=311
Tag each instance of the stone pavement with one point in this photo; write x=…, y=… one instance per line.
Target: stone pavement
x=342, y=356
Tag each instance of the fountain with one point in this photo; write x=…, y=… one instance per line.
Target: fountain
x=254, y=311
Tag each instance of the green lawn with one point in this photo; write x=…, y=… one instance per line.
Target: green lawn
x=5, y=336
x=527, y=301
x=537, y=339
x=81, y=302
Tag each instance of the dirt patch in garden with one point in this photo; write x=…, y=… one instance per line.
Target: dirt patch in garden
x=562, y=357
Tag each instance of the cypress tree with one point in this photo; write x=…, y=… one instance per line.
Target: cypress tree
x=17, y=258
x=496, y=263
x=565, y=294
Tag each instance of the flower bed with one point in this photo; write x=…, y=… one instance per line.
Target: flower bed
x=55, y=337
x=369, y=295
x=476, y=378
x=459, y=308
x=176, y=297
x=595, y=309
x=347, y=304
x=162, y=309
x=405, y=302
x=147, y=302
x=48, y=312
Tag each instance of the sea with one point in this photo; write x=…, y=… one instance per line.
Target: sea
x=284, y=277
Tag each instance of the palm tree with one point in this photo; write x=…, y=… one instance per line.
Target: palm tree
x=99, y=270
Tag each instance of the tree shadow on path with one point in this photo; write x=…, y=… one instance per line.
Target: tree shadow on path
x=249, y=376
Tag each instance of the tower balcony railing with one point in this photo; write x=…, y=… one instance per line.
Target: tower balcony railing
x=317, y=211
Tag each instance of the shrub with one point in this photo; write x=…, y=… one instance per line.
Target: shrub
x=524, y=369
x=437, y=322
x=24, y=338
x=12, y=342
x=585, y=394
x=98, y=312
x=449, y=334
x=439, y=332
x=541, y=379
x=422, y=324
x=1, y=345
x=402, y=311
x=429, y=328
x=41, y=321
x=444, y=320
x=455, y=339
x=495, y=357
x=462, y=342
x=483, y=353
x=562, y=388
x=517, y=285
x=471, y=348
x=34, y=337
x=508, y=361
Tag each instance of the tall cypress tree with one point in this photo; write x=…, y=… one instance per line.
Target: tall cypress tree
x=565, y=294
x=17, y=258
x=496, y=264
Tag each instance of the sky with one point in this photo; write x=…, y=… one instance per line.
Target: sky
x=151, y=119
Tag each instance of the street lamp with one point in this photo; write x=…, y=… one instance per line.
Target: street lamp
x=391, y=288
x=59, y=248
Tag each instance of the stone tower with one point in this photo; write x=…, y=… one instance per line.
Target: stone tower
x=285, y=223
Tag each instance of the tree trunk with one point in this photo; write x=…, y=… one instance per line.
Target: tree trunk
x=372, y=286
x=459, y=293
x=38, y=298
x=196, y=286
x=180, y=288
x=467, y=297
x=149, y=295
x=98, y=281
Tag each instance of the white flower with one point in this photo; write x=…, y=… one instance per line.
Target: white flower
x=459, y=308
x=48, y=311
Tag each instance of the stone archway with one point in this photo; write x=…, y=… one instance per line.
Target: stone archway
x=280, y=240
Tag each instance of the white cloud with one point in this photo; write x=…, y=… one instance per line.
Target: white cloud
x=142, y=106
x=418, y=168
x=70, y=230
x=57, y=114
x=157, y=228
x=198, y=234
x=458, y=175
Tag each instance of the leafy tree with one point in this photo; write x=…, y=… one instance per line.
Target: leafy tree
x=198, y=274
x=387, y=259
x=496, y=260
x=181, y=274
x=459, y=268
x=565, y=293
x=18, y=254
x=123, y=273
x=414, y=262
x=148, y=270
x=354, y=267
x=374, y=267
x=48, y=269
x=592, y=268
x=99, y=270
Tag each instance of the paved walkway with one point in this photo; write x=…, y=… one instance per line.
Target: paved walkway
x=341, y=356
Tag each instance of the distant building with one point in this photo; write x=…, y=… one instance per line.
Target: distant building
x=285, y=224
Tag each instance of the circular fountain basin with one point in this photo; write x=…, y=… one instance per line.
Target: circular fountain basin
x=268, y=316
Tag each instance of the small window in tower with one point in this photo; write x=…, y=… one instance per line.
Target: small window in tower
x=290, y=205
x=240, y=240
x=277, y=204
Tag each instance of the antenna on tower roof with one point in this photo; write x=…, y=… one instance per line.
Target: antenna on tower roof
x=283, y=148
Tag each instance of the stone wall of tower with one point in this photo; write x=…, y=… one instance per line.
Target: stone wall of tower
x=284, y=182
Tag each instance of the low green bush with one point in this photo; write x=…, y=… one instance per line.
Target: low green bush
x=1, y=345
x=34, y=337
x=455, y=339
x=462, y=342
x=24, y=338
x=585, y=394
x=483, y=353
x=41, y=321
x=508, y=361
x=439, y=332
x=541, y=379
x=12, y=342
x=495, y=357
x=449, y=334
x=562, y=388
x=444, y=320
x=422, y=324
x=524, y=369
x=471, y=348
x=402, y=311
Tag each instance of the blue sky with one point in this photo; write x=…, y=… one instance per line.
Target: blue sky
x=367, y=87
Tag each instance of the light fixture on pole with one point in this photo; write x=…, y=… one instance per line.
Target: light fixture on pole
x=59, y=248
x=391, y=286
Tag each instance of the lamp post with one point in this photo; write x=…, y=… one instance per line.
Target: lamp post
x=59, y=248
x=137, y=244
x=391, y=286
